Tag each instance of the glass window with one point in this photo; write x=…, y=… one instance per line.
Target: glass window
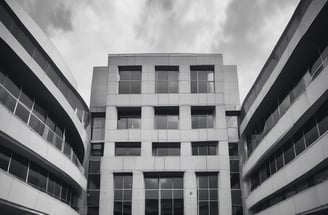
x=8, y=100
x=22, y=38
x=98, y=127
x=167, y=79
x=310, y=131
x=233, y=149
x=234, y=181
x=40, y=59
x=24, y=99
x=94, y=181
x=202, y=79
x=236, y=197
x=94, y=166
x=166, y=117
x=164, y=194
x=5, y=17
x=202, y=117
x=273, y=167
x=18, y=166
x=37, y=176
x=279, y=159
x=5, y=155
x=127, y=149
x=97, y=149
x=289, y=152
x=22, y=112
x=204, y=148
x=36, y=125
x=234, y=165
x=128, y=118
x=54, y=186
x=207, y=193
x=130, y=80
x=93, y=198
x=322, y=118
x=166, y=149
x=299, y=143
x=122, y=193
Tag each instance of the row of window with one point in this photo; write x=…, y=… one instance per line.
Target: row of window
x=38, y=54
x=204, y=148
x=289, y=191
x=282, y=103
x=36, y=176
x=315, y=127
x=37, y=118
x=166, y=79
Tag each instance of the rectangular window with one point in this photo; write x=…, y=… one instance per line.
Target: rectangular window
x=279, y=159
x=204, y=148
x=94, y=166
x=37, y=176
x=289, y=152
x=164, y=193
x=299, y=142
x=130, y=80
x=122, y=194
x=322, y=118
x=202, y=79
x=233, y=149
x=97, y=149
x=273, y=167
x=18, y=166
x=202, y=117
x=234, y=181
x=98, y=126
x=207, y=193
x=310, y=131
x=234, y=165
x=54, y=186
x=166, y=149
x=94, y=181
x=127, y=149
x=5, y=155
x=166, y=117
x=167, y=79
x=128, y=117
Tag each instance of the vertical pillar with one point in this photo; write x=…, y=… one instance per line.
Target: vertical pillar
x=138, y=193
x=190, y=193
x=106, y=196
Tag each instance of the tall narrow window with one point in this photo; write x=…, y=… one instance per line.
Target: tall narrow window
x=166, y=117
x=167, y=79
x=207, y=193
x=130, y=80
x=202, y=117
x=98, y=126
x=202, y=79
x=164, y=193
x=5, y=155
x=122, y=194
x=128, y=117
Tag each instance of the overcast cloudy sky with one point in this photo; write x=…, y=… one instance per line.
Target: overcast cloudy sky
x=85, y=31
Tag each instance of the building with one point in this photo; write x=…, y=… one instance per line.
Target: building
x=162, y=129
x=43, y=138
x=284, y=122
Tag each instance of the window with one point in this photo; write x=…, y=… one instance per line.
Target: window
x=22, y=112
x=128, y=117
x=207, y=193
x=234, y=181
x=122, y=194
x=204, y=148
x=289, y=153
x=97, y=149
x=234, y=165
x=167, y=79
x=202, y=79
x=310, y=131
x=98, y=126
x=166, y=117
x=279, y=159
x=322, y=117
x=18, y=166
x=127, y=149
x=94, y=166
x=273, y=167
x=299, y=143
x=233, y=149
x=130, y=80
x=202, y=117
x=37, y=176
x=54, y=186
x=94, y=181
x=164, y=194
x=166, y=149
x=4, y=158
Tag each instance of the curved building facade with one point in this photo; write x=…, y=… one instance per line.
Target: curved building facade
x=284, y=122
x=43, y=126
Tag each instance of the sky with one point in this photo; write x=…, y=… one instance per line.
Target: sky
x=86, y=31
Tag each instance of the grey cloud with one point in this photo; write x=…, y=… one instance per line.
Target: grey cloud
x=49, y=14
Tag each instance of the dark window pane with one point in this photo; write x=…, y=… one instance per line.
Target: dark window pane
x=118, y=181
x=178, y=206
x=289, y=153
x=237, y=210
x=26, y=100
x=213, y=194
x=36, y=125
x=234, y=165
x=214, y=208
x=203, y=194
x=5, y=17
x=233, y=149
x=97, y=149
x=118, y=195
x=135, y=87
x=322, y=118
x=273, y=167
x=94, y=166
x=125, y=75
x=212, y=150
x=203, y=208
x=299, y=142
x=135, y=151
x=54, y=186
x=165, y=183
x=202, y=150
x=127, y=181
x=173, y=151
x=4, y=158
x=193, y=85
x=94, y=181
x=151, y=207
x=135, y=75
x=93, y=198
x=22, y=112
x=127, y=194
x=22, y=38
x=151, y=183
x=8, y=100
x=18, y=166
x=279, y=160
x=93, y=210
x=203, y=181
x=236, y=197
x=194, y=122
x=11, y=87
x=194, y=150
x=213, y=181
x=37, y=176
x=202, y=86
x=234, y=181
x=127, y=208
x=124, y=87
x=67, y=150
x=310, y=131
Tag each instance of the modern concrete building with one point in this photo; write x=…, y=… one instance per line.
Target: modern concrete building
x=43, y=120
x=162, y=129
x=284, y=121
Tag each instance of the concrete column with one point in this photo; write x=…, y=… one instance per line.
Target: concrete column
x=190, y=193
x=185, y=149
x=220, y=119
x=148, y=79
x=224, y=192
x=138, y=193
x=147, y=118
x=106, y=200
x=185, y=117
x=184, y=79
x=146, y=149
